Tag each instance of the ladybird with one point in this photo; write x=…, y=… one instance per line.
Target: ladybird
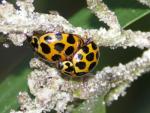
x=83, y=61
x=67, y=68
x=54, y=47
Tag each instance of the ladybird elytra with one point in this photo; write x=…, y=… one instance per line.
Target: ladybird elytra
x=83, y=61
x=56, y=46
x=88, y=61
x=68, y=52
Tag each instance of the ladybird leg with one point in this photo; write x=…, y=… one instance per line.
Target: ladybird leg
x=87, y=39
x=86, y=35
x=59, y=65
x=50, y=64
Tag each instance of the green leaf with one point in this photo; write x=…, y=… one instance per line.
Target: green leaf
x=2, y=39
x=11, y=86
x=96, y=106
x=127, y=13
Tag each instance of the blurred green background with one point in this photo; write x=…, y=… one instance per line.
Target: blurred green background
x=14, y=65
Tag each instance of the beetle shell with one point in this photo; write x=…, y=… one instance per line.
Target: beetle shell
x=83, y=62
x=56, y=46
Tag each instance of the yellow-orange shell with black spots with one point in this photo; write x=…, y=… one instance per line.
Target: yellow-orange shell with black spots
x=55, y=47
x=83, y=62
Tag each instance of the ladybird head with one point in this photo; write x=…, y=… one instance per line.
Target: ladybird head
x=66, y=67
x=34, y=39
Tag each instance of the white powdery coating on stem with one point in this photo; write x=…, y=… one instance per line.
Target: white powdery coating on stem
x=104, y=14
x=145, y=2
x=17, y=39
x=25, y=21
x=138, y=38
x=127, y=74
x=127, y=38
x=112, y=82
x=45, y=84
x=53, y=92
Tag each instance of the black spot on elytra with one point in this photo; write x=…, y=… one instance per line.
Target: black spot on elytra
x=81, y=65
x=90, y=56
x=35, y=43
x=94, y=46
x=85, y=49
x=68, y=64
x=69, y=69
x=45, y=48
x=97, y=55
x=69, y=50
x=92, y=65
x=80, y=57
x=47, y=39
x=58, y=36
x=80, y=73
x=70, y=39
x=56, y=57
x=59, y=46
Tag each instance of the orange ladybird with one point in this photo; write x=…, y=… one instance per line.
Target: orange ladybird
x=83, y=62
x=55, y=47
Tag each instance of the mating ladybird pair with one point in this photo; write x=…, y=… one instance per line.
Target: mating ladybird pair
x=68, y=52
